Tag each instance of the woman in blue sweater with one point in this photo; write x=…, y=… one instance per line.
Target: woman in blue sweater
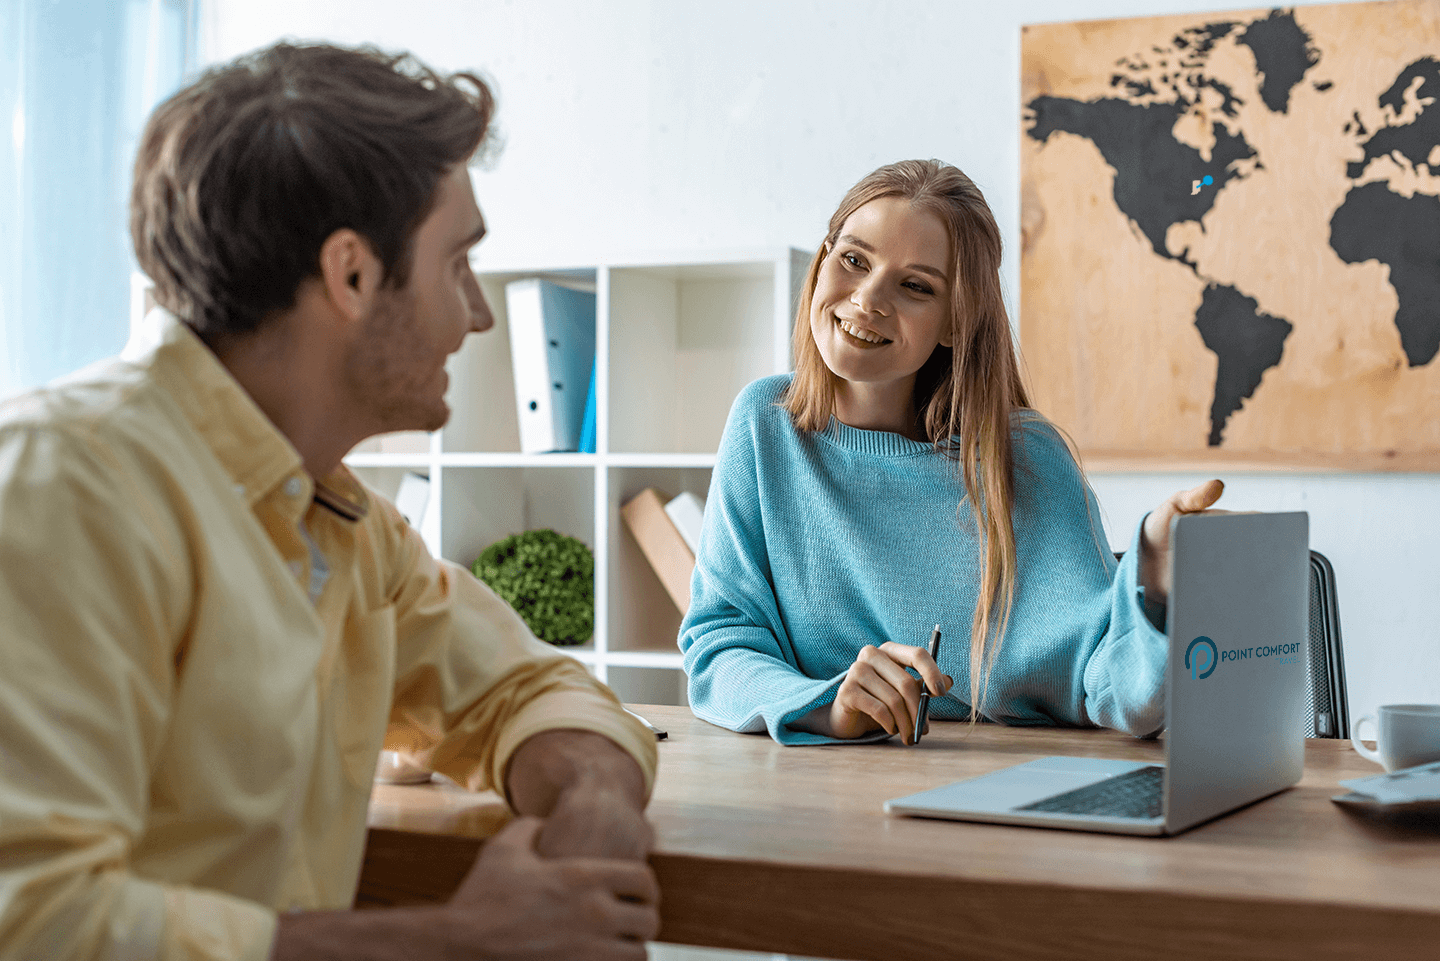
x=899, y=479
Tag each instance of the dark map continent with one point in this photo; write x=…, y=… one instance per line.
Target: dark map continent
x=1246, y=342
x=1283, y=54
x=1154, y=173
x=1413, y=140
x=1375, y=223
x=1153, y=170
x=1197, y=42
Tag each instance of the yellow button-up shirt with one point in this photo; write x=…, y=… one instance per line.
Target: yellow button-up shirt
x=187, y=739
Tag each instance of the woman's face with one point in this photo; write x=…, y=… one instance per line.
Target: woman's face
x=882, y=298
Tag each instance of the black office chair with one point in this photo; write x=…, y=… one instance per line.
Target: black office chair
x=1327, y=706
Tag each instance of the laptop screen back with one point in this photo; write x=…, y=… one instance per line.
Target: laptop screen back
x=1238, y=621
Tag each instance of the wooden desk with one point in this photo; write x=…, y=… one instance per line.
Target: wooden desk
x=767, y=848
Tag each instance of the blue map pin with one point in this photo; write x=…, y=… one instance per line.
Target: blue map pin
x=1195, y=185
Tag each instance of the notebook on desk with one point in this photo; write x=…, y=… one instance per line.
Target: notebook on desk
x=1235, y=682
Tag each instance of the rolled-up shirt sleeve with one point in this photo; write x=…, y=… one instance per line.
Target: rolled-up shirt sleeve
x=91, y=593
x=473, y=683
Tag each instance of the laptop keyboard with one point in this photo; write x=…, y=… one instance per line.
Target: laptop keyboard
x=1133, y=795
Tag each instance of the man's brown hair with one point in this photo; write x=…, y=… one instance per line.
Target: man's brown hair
x=242, y=175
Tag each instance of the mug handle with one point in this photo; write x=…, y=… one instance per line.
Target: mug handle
x=1360, y=748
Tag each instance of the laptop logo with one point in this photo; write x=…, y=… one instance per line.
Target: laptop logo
x=1202, y=665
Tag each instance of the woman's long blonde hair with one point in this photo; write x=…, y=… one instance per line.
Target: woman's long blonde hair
x=964, y=396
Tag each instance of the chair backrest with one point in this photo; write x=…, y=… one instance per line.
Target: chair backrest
x=1327, y=705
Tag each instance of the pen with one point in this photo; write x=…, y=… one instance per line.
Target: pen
x=659, y=734
x=924, y=712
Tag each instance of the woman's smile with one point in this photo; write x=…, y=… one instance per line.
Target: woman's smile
x=862, y=336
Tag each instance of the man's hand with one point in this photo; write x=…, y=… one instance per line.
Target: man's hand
x=513, y=905
x=1154, y=570
x=590, y=792
x=596, y=821
x=516, y=904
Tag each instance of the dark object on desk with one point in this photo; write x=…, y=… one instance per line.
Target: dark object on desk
x=1327, y=704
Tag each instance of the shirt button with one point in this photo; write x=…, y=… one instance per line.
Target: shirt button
x=296, y=568
x=293, y=487
x=240, y=489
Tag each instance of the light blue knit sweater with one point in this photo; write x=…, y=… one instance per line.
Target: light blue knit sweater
x=816, y=544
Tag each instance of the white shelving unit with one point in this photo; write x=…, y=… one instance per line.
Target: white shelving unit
x=676, y=340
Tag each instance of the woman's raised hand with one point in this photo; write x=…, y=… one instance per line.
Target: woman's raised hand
x=1154, y=573
x=879, y=693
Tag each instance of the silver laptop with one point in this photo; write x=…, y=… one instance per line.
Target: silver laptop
x=1237, y=623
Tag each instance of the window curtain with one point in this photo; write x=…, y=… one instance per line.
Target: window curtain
x=78, y=78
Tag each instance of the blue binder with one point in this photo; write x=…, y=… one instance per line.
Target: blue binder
x=552, y=351
x=587, y=424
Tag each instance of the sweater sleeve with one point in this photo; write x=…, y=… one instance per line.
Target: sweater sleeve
x=739, y=657
x=1125, y=675
x=1071, y=611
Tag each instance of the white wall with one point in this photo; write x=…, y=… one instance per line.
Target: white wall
x=637, y=126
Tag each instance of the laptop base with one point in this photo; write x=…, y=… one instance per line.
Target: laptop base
x=996, y=798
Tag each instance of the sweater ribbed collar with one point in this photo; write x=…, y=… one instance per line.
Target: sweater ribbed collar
x=880, y=443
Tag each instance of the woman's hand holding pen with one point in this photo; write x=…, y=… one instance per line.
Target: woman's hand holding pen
x=879, y=692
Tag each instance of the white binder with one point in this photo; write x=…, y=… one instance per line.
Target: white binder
x=412, y=498
x=687, y=513
x=552, y=351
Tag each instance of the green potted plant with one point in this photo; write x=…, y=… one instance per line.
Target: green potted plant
x=548, y=578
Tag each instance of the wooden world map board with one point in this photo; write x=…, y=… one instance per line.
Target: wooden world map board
x=1231, y=237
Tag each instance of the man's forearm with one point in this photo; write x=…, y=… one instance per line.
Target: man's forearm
x=551, y=762
x=395, y=934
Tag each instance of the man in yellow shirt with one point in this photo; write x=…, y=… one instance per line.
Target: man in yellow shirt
x=209, y=628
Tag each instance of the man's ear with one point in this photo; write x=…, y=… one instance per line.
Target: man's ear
x=350, y=272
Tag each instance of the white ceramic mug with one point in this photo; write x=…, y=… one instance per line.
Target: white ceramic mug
x=394, y=767
x=1406, y=735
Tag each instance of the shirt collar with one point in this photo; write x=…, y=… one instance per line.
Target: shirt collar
x=253, y=451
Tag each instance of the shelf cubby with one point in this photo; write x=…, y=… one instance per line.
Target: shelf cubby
x=677, y=337
x=682, y=339
x=481, y=505
x=640, y=614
